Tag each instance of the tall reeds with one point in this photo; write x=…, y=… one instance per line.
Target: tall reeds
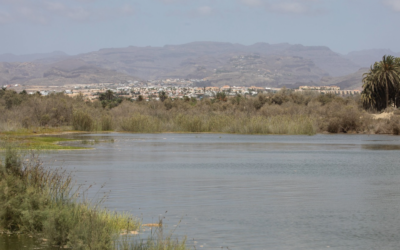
x=48, y=205
x=220, y=123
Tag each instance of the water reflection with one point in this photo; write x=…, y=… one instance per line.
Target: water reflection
x=16, y=242
x=380, y=147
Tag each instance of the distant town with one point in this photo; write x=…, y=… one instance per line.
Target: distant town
x=174, y=88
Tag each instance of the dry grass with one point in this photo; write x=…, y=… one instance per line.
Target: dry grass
x=282, y=113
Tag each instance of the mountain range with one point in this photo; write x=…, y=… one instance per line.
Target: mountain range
x=261, y=64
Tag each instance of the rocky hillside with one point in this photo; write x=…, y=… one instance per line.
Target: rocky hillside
x=70, y=71
x=351, y=81
x=261, y=64
x=272, y=70
x=184, y=60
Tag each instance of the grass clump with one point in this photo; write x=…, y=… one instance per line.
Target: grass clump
x=46, y=204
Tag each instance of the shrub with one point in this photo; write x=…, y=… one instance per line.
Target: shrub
x=106, y=123
x=395, y=125
x=334, y=125
x=350, y=118
x=82, y=121
x=140, y=124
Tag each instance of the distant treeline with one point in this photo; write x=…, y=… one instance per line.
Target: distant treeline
x=285, y=112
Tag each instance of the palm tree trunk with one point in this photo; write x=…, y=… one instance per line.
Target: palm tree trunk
x=387, y=95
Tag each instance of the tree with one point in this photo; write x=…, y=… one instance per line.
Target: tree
x=382, y=83
x=107, y=96
x=163, y=96
x=11, y=99
x=2, y=92
x=221, y=96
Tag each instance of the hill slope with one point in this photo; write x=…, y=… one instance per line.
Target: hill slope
x=351, y=81
x=70, y=71
x=259, y=64
x=44, y=57
x=158, y=62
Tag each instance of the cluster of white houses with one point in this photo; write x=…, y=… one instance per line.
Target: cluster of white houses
x=329, y=90
x=92, y=91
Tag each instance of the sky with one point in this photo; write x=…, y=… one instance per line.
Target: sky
x=78, y=26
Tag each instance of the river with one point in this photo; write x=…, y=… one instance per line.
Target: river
x=249, y=191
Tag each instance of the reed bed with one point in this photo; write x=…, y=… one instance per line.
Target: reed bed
x=301, y=125
x=48, y=205
x=285, y=112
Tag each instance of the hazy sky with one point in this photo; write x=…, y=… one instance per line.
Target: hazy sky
x=76, y=26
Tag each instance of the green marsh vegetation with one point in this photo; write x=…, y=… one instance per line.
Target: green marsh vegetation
x=47, y=205
x=29, y=142
x=285, y=112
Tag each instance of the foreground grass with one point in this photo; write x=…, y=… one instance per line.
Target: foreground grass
x=47, y=205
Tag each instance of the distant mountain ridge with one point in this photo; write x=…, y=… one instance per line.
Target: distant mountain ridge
x=260, y=64
x=366, y=58
x=155, y=62
x=69, y=71
x=53, y=56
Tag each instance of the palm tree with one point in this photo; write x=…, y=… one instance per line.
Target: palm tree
x=382, y=77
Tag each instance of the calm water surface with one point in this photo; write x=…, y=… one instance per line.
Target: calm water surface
x=251, y=192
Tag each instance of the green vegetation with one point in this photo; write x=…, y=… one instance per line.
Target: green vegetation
x=382, y=84
x=108, y=99
x=44, y=143
x=163, y=96
x=47, y=205
x=285, y=112
x=28, y=141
